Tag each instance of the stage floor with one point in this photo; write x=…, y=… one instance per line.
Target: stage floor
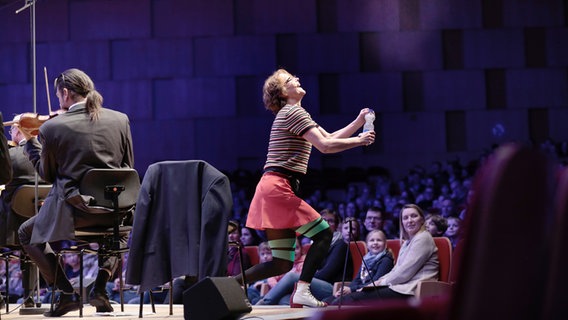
x=131, y=311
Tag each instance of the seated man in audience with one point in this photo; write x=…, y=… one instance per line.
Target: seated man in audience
x=373, y=221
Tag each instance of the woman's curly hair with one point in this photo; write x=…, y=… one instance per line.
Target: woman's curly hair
x=272, y=92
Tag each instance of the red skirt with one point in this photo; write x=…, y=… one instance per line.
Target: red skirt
x=275, y=206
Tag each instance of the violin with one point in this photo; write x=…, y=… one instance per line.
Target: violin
x=30, y=121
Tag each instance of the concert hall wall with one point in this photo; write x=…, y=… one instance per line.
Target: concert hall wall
x=448, y=78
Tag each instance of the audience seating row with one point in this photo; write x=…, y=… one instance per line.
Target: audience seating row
x=432, y=288
x=511, y=261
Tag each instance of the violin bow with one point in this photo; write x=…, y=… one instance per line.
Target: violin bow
x=47, y=90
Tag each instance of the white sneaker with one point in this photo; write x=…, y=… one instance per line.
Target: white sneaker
x=302, y=296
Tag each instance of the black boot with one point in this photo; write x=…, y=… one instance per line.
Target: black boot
x=98, y=296
x=66, y=303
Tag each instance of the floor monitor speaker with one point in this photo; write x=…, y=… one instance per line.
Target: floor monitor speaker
x=215, y=299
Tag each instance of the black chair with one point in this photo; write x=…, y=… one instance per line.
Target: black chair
x=182, y=212
x=26, y=201
x=112, y=193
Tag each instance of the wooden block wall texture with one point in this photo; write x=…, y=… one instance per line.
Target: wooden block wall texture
x=442, y=74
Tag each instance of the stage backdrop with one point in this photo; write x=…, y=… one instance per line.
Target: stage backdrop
x=448, y=78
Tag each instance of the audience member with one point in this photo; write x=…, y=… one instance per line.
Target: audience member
x=436, y=225
x=264, y=255
x=331, y=270
x=234, y=259
x=373, y=221
x=249, y=237
x=454, y=230
x=376, y=263
x=417, y=261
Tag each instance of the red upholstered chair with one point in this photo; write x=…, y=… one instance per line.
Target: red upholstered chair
x=442, y=287
x=252, y=252
x=358, y=250
x=394, y=246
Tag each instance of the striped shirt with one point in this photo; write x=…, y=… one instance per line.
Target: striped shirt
x=286, y=148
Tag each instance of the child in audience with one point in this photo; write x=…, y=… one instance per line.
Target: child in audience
x=436, y=225
x=254, y=290
x=376, y=263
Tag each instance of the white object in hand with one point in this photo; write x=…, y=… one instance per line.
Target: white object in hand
x=369, y=118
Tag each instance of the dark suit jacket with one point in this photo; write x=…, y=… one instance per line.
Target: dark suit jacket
x=180, y=224
x=23, y=174
x=72, y=144
x=5, y=163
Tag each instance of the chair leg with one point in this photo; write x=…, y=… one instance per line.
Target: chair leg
x=152, y=301
x=171, y=297
x=81, y=282
x=7, y=286
x=120, y=282
x=141, y=304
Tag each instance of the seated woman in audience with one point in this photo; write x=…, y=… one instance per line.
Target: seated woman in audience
x=376, y=263
x=249, y=237
x=417, y=261
x=234, y=260
x=330, y=271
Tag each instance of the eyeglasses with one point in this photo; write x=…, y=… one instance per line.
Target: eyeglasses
x=291, y=78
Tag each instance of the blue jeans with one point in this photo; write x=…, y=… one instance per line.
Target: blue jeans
x=277, y=295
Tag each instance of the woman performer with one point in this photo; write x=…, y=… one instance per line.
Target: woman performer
x=276, y=208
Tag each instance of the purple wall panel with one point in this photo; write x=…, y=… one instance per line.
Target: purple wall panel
x=14, y=62
x=411, y=133
x=163, y=58
x=164, y=140
x=454, y=90
x=495, y=48
x=537, y=88
x=450, y=14
x=51, y=21
x=533, y=13
x=93, y=57
x=367, y=15
x=182, y=68
x=131, y=97
x=558, y=127
x=197, y=98
x=261, y=17
x=187, y=18
x=328, y=53
x=242, y=55
x=408, y=50
x=18, y=98
x=557, y=47
x=380, y=91
x=216, y=141
x=109, y=19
